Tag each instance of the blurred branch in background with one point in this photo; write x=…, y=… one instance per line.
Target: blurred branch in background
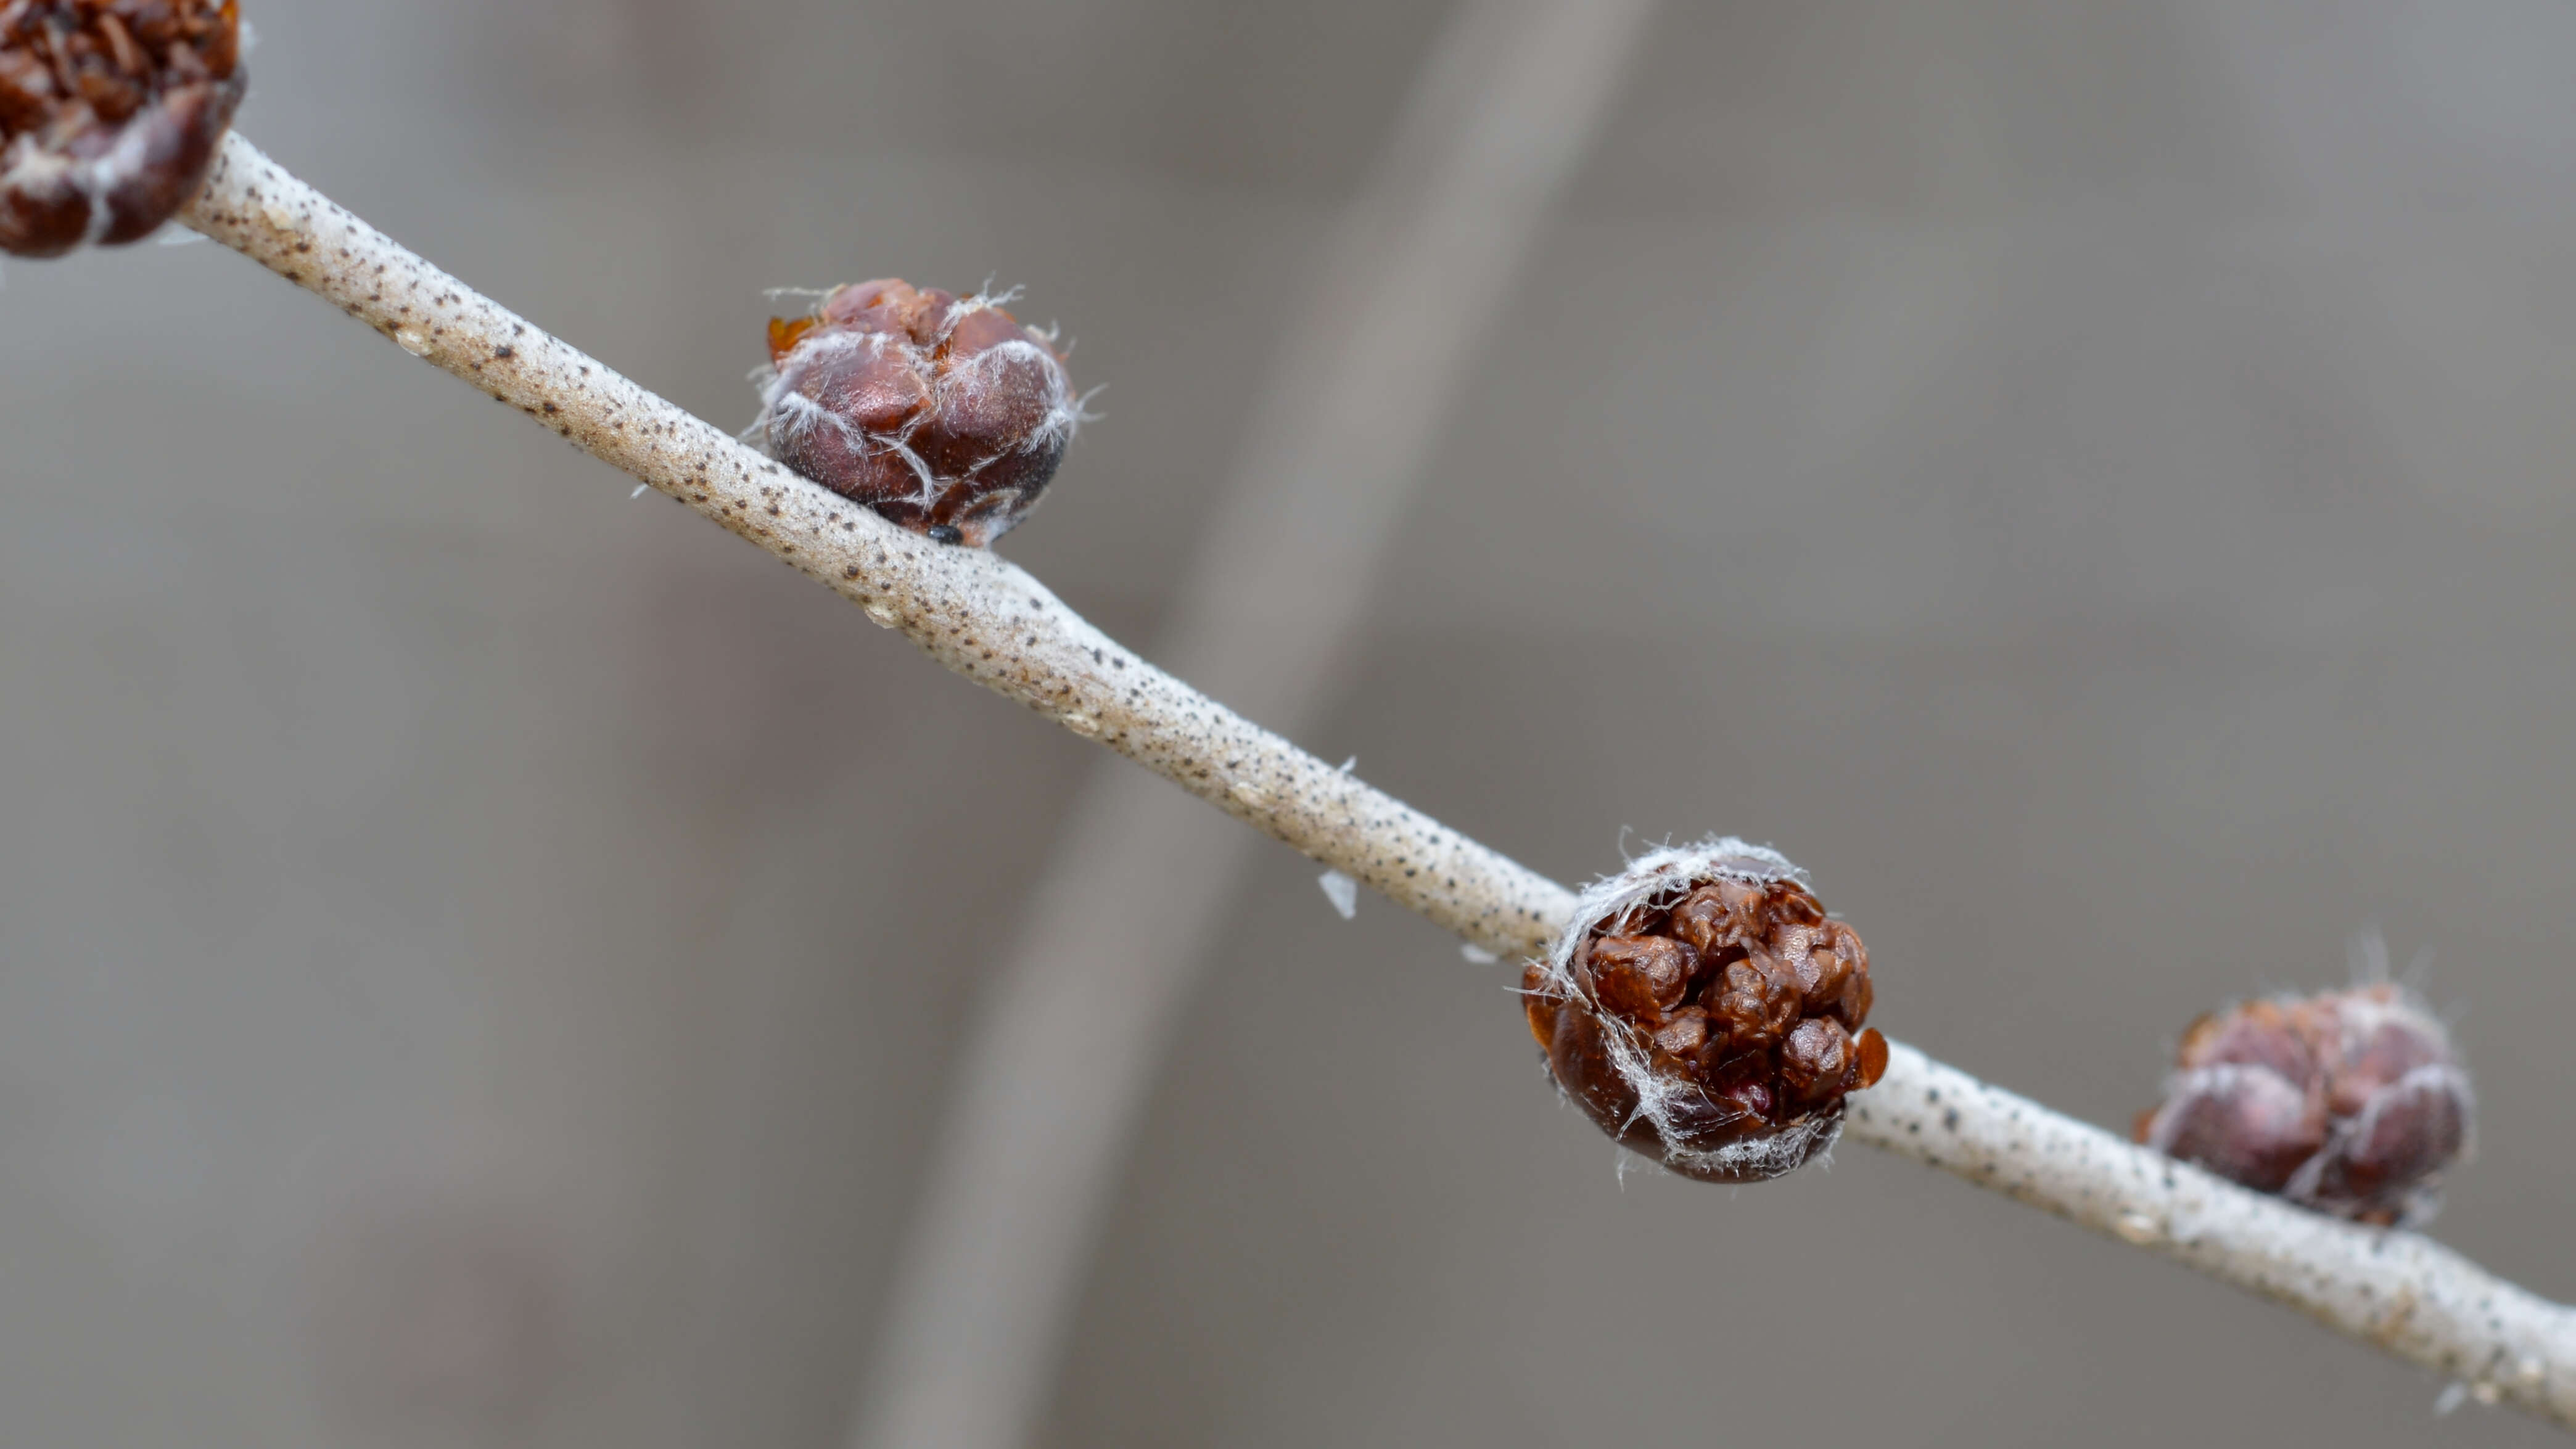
x=981, y=617
x=1048, y=1085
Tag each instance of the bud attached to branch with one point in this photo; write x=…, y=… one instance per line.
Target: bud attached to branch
x=940, y=412
x=110, y=112
x=1703, y=1010
x=2350, y=1102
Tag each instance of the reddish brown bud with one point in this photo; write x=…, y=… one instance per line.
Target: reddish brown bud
x=110, y=112
x=940, y=412
x=1702, y=1010
x=2349, y=1102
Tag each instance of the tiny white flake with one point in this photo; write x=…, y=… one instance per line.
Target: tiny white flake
x=1348, y=764
x=1342, y=891
x=2451, y=1399
x=1477, y=954
x=639, y=490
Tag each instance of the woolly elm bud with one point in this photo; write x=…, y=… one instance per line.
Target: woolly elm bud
x=1704, y=1011
x=110, y=111
x=940, y=412
x=2350, y=1102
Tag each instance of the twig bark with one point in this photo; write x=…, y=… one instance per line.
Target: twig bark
x=2402, y=1292
x=988, y=620
x=1070, y=1032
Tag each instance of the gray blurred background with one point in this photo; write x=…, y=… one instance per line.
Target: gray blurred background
x=479, y=955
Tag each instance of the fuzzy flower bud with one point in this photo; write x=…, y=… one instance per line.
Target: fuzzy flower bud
x=110, y=111
x=940, y=412
x=2349, y=1102
x=1703, y=1010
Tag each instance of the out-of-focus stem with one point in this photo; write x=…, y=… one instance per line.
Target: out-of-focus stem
x=988, y=620
x=1058, y=1063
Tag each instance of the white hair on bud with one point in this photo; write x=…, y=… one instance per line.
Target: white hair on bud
x=995, y=367
x=1660, y=878
x=788, y=415
x=791, y=414
x=984, y=299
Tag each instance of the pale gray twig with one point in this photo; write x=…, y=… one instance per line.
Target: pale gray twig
x=986, y=619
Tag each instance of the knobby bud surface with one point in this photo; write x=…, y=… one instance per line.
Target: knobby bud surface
x=2350, y=1102
x=1704, y=1010
x=940, y=412
x=110, y=112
